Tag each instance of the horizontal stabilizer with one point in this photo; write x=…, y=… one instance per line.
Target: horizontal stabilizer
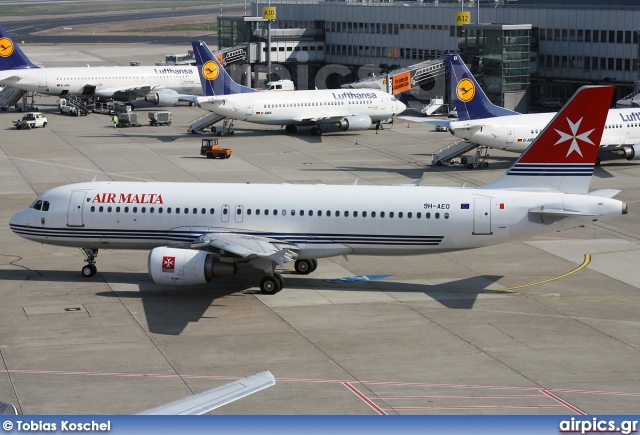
x=551, y=211
x=216, y=397
x=605, y=193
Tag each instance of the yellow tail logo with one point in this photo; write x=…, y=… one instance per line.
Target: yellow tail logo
x=210, y=70
x=6, y=47
x=465, y=90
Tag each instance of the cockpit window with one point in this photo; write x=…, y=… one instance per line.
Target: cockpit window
x=39, y=204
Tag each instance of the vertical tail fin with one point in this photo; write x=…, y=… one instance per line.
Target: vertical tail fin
x=563, y=156
x=11, y=57
x=470, y=100
x=214, y=79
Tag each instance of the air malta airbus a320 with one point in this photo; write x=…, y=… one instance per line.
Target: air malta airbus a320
x=198, y=231
x=319, y=109
x=484, y=123
x=162, y=85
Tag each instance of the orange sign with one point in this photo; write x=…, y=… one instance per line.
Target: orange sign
x=401, y=82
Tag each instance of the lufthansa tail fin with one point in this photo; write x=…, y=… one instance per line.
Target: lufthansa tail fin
x=469, y=99
x=564, y=155
x=11, y=57
x=214, y=79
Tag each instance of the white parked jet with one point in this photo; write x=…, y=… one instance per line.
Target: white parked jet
x=162, y=85
x=198, y=231
x=483, y=123
x=319, y=109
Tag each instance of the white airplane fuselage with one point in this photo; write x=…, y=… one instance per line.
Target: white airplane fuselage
x=515, y=133
x=305, y=107
x=321, y=220
x=107, y=80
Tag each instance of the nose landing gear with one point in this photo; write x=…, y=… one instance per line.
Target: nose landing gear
x=90, y=257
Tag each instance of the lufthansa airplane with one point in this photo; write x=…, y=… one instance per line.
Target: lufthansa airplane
x=162, y=85
x=320, y=109
x=483, y=123
x=198, y=231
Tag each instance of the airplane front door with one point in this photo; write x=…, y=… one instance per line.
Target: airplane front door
x=74, y=213
x=482, y=216
x=225, y=213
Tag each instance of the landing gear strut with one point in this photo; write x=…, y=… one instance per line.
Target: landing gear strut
x=379, y=126
x=90, y=257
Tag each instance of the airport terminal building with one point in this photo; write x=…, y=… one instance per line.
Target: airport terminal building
x=567, y=43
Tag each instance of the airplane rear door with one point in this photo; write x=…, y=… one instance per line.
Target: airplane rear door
x=74, y=213
x=239, y=213
x=249, y=107
x=42, y=78
x=482, y=216
x=510, y=135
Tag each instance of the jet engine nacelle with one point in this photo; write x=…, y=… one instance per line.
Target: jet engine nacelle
x=355, y=122
x=181, y=267
x=165, y=98
x=630, y=153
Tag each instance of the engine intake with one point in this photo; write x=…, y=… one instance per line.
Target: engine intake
x=355, y=122
x=182, y=267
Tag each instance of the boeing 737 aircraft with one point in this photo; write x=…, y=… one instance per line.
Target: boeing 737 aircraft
x=162, y=85
x=483, y=123
x=198, y=231
x=320, y=109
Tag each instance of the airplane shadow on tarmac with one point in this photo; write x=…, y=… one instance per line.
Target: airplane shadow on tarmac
x=169, y=310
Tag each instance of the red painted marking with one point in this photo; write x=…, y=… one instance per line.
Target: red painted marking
x=364, y=398
x=419, y=408
x=525, y=396
x=563, y=402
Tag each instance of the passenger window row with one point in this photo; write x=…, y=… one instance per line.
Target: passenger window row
x=265, y=212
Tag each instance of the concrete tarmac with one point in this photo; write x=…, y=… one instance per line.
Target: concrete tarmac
x=527, y=327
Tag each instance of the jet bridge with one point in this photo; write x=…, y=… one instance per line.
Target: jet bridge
x=403, y=79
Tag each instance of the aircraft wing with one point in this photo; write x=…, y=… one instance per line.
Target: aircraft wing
x=138, y=90
x=423, y=120
x=9, y=80
x=246, y=247
x=613, y=143
x=216, y=397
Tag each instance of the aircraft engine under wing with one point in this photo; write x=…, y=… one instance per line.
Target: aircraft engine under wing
x=216, y=397
x=163, y=98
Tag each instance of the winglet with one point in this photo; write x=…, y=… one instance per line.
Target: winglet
x=11, y=56
x=563, y=156
x=213, y=77
x=470, y=100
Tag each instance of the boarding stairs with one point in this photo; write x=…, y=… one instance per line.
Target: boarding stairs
x=204, y=123
x=448, y=154
x=435, y=107
x=81, y=105
x=9, y=97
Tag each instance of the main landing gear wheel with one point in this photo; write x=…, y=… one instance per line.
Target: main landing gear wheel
x=598, y=161
x=379, y=126
x=315, y=131
x=291, y=128
x=305, y=267
x=271, y=284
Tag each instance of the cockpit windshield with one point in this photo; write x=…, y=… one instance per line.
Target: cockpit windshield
x=39, y=204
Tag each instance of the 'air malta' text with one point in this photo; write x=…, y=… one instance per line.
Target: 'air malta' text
x=128, y=198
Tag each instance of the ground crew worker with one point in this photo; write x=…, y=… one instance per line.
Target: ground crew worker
x=115, y=120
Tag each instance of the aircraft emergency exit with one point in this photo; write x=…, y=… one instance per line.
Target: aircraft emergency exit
x=484, y=123
x=326, y=109
x=197, y=231
x=161, y=85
